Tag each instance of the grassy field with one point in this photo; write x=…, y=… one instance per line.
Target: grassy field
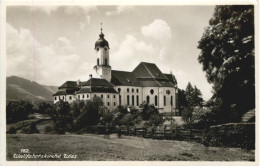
x=96, y=147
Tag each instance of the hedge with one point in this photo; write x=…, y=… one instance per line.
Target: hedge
x=241, y=135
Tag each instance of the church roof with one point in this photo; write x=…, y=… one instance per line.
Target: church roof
x=64, y=92
x=124, y=78
x=69, y=84
x=171, y=78
x=148, y=70
x=97, y=82
x=97, y=90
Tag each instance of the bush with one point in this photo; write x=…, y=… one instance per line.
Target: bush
x=12, y=130
x=241, y=135
x=47, y=129
x=30, y=129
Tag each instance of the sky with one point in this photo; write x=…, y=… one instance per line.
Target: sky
x=54, y=44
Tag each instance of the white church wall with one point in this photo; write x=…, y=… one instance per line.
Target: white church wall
x=132, y=92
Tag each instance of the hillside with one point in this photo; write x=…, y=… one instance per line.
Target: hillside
x=20, y=88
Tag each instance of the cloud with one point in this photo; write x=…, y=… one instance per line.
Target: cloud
x=47, y=64
x=131, y=52
x=119, y=10
x=47, y=9
x=78, y=10
x=159, y=30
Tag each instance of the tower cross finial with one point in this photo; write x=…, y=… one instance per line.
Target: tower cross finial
x=101, y=27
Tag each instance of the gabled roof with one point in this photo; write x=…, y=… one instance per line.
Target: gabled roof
x=64, y=92
x=69, y=84
x=83, y=90
x=148, y=70
x=171, y=78
x=123, y=78
x=97, y=82
x=97, y=90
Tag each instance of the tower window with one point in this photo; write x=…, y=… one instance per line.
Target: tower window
x=98, y=61
x=114, y=103
x=87, y=96
x=83, y=96
x=105, y=48
x=105, y=61
x=151, y=91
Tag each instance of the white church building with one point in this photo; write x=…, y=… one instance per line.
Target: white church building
x=146, y=83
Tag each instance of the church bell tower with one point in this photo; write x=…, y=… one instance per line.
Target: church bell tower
x=102, y=69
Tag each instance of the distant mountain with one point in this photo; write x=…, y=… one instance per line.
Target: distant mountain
x=20, y=88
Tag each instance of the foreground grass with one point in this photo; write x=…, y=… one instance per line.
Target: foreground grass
x=96, y=147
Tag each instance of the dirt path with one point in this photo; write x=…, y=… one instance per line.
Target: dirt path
x=96, y=147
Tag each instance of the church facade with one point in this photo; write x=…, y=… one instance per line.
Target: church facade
x=146, y=83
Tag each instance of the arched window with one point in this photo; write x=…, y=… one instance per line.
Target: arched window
x=133, y=90
x=155, y=100
x=127, y=99
x=171, y=101
x=137, y=100
x=137, y=90
x=120, y=99
x=119, y=90
x=164, y=100
x=148, y=99
x=105, y=61
x=133, y=100
x=127, y=90
x=98, y=61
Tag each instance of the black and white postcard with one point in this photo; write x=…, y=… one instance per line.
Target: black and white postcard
x=149, y=83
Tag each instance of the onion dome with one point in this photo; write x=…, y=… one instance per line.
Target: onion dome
x=101, y=42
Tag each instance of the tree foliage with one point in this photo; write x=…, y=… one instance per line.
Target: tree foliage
x=193, y=98
x=18, y=111
x=61, y=116
x=90, y=113
x=227, y=55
